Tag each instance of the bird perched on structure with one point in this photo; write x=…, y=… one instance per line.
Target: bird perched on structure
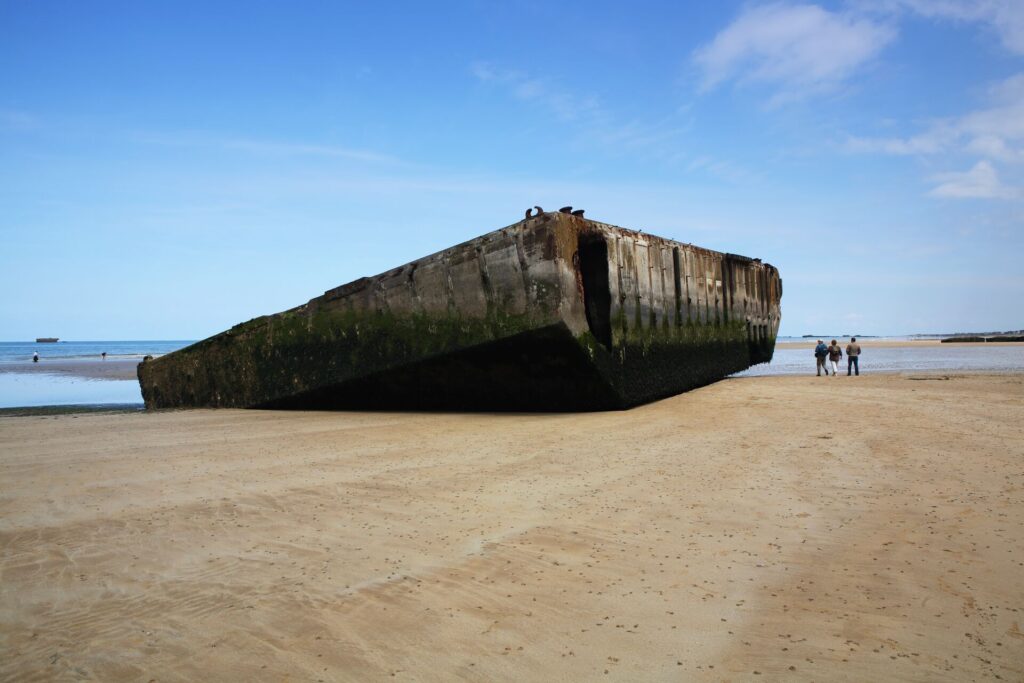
x=578, y=212
x=539, y=212
x=565, y=209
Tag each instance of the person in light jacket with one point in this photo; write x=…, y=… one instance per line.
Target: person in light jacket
x=853, y=357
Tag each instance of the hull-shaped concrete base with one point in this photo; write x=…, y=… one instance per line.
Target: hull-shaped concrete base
x=540, y=370
x=546, y=370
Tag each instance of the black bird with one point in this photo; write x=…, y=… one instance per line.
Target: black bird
x=578, y=212
x=539, y=212
x=565, y=209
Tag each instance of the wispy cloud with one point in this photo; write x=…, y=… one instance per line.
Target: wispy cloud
x=720, y=169
x=568, y=106
x=14, y=120
x=266, y=147
x=980, y=182
x=1005, y=17
x=795, y=49
x=657, y=138
x=301, y=149
x=931, y=142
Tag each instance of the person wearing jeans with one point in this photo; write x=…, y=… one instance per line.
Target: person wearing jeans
x=853, y=357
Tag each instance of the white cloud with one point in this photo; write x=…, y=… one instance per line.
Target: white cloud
x=1005, y=122
x=980, y=182
x=1010, y=90
x=797, y=49
x=994, y=147
x=995, y=132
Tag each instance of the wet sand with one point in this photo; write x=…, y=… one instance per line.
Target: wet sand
x=125, y=368
x=88, y=368
x=774, y=528
x=892, y=343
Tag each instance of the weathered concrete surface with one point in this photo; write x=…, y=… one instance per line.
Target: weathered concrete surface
x=555, y=312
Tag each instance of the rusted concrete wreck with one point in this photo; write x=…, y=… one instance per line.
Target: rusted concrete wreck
x=555, y=312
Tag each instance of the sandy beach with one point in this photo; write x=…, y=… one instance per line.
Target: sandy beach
x=773, y=528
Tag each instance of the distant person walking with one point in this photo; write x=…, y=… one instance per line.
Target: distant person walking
x=835, y=354
x=820, y=352
x=104, y=354
x=35, y=356
x=853, y=357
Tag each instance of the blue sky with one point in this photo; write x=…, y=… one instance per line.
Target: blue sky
x=170, y=169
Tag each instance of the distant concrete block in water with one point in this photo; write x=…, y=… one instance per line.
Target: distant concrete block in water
x=553, y=313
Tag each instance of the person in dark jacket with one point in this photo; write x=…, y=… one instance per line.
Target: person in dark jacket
x=820, y=353
x=835, y=354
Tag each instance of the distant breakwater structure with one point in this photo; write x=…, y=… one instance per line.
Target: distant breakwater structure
x=982, y=339
x=553, y=313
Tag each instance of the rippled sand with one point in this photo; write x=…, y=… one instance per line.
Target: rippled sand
x=794, y=528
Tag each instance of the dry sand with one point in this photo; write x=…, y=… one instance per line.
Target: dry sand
x=794, y=528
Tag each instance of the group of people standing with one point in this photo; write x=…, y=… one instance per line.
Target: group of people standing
x=833, y=354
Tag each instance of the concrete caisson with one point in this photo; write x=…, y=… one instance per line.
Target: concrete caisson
x=555, y=312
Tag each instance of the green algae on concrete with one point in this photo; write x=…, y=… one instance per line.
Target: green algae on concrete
x=554, y=312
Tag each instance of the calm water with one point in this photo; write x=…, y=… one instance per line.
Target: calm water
x=38, y=389
x=19, y=390
x=22, y=391
x=14, y=352
x=992, y=357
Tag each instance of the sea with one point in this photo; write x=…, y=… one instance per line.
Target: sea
x=982, y=357
x=25, y=390
x=21, y=390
